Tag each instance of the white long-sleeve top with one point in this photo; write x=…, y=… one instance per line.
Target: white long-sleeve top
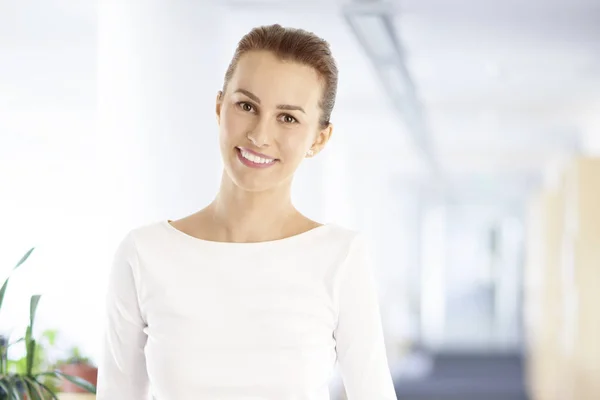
x=195, y=319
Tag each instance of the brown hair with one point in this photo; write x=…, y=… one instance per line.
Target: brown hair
x=294, y=45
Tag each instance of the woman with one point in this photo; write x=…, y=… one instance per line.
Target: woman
x=248, y=298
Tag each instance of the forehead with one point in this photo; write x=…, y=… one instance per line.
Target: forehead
x=277, y=81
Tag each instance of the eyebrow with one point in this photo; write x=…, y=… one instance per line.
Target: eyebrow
x=279, y=106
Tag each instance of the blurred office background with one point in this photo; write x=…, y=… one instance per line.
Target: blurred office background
x=464, y=145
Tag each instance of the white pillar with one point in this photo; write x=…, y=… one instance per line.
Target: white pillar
x=308, y=193
x=592, y=141
x=160, y=67
x=338, y=200
x=591, y=127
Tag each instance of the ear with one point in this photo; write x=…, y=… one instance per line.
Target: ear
x=219, y=103
x=321, y=140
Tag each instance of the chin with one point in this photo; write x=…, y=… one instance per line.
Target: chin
x=252, y=184
x=251, y=180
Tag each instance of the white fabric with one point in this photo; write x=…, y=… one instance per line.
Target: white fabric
x=194, y=319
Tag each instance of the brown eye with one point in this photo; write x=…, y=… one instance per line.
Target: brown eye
x=246, y=106
x=288, y=119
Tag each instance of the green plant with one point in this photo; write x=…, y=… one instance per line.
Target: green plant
x=25, y=378
x=40, y=359
x=40, y=356
x=75, y=357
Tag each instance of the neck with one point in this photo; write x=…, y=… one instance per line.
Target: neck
x=243, y=216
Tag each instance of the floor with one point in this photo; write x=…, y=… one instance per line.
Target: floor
x=464, y=376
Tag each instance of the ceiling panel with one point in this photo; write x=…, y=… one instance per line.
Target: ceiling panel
x=503, y=84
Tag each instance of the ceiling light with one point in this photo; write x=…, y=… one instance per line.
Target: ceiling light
x=376, y=35
x=395, y=80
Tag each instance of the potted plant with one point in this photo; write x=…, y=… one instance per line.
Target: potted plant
x=24, y=379
x=40, y=360
x=77, y=365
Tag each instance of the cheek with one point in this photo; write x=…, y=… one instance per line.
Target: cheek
x=295, y=144
x=232, y=126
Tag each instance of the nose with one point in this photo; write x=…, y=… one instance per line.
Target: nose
x=259, y=135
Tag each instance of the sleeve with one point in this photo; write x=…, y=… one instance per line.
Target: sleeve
x=359, y=336
x=122, y=368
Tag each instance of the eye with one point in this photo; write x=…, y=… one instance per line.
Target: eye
x=245, y=106
x=288, y=119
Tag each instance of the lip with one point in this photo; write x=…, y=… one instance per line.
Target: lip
x=251, y=164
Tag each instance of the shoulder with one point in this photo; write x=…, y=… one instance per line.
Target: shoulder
x=145, y=236
x=151, y=231
x=354, y=271
x=139, y=246
x=347, y=245
x=350, y=238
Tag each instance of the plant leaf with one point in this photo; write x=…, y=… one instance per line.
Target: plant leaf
x=24, y=258
x=3, y=291
x=30, y=356
x=30, y=394
x=47, y=389
x=29, y=341
x=35, y=385
x=3, y=356
x=5, y=285
x=16, y=342
x=20, y=379
x=5, y=385
x=15, y=389
x=35, y=299
x=50, y=380
x=50, y=334
x=82, y=383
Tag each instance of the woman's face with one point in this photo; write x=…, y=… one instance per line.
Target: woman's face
x=268, y=120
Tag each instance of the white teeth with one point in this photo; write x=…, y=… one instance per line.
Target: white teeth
x=255, y=159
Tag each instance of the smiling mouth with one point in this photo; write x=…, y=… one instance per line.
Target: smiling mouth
x=254, y=160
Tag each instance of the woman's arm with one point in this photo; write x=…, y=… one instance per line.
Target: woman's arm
x=122, y=370
x=359, y=334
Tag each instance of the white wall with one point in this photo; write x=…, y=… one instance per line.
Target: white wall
x=48, y=164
